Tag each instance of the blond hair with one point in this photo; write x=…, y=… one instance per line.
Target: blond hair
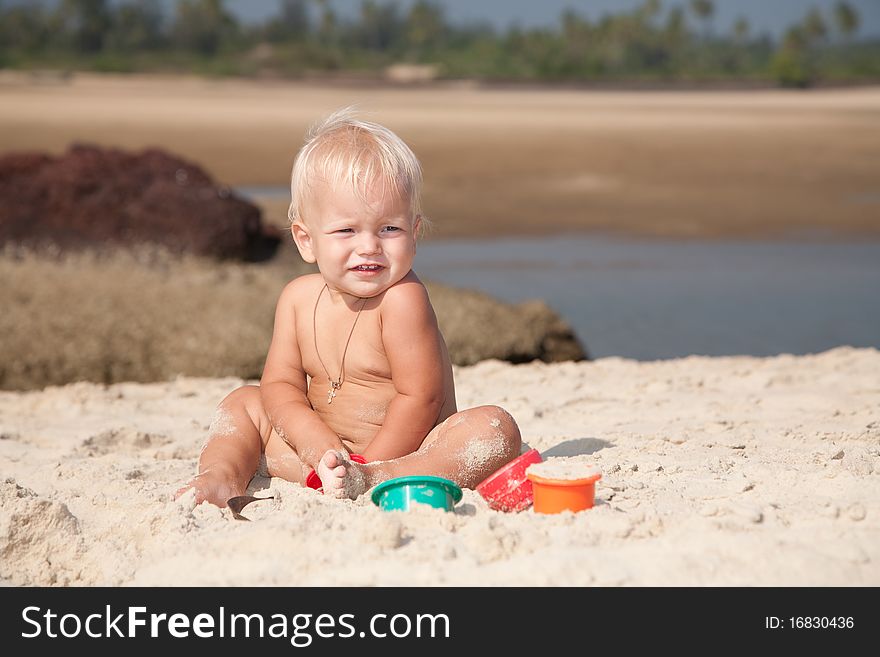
x=342, y=149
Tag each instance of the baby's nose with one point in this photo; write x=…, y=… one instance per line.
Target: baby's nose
x=368, y=244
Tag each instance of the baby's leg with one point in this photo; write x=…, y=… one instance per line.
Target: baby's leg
x=231, y=454
x=466, y=448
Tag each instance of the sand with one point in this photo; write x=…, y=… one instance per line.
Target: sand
x=705, y=164
x=716, y=471
x=565, y=468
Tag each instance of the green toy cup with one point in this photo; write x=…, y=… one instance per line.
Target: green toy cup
x=402, y=493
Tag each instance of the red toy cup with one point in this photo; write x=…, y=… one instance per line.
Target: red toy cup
x=314, y=481
x=508, y=488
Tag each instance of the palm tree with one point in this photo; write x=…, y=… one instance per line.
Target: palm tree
x=741, y=29
x=86, y=23
x=650, y=9
x=703, y=10
x=425, y=26
x=815, y=28
x=846, y=18
x=328, y=31
x=790, y=65
x=203, y=26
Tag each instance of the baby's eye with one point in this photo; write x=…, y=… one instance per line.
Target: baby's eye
x=344, y=230
x=391, y=229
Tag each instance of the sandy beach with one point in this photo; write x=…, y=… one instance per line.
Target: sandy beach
x=716, y=471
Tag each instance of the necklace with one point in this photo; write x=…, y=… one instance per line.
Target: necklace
x=337, y=384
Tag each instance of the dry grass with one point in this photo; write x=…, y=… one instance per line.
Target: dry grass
x=124, y=317
x=149, y=316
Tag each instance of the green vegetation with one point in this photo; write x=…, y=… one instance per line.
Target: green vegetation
x=648, y=44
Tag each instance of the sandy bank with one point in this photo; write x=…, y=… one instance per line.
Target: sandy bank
x=723, y=164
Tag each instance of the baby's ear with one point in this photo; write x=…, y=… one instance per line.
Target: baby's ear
x=417, y=227
x=303, y=241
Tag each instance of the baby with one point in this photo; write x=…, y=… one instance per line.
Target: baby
x=357, y=369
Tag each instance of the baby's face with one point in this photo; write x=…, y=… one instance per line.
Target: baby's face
x=362, y=248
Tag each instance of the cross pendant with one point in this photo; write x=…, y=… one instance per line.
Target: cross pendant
x=331, y=393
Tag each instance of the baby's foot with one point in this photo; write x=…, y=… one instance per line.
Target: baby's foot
x=210, y=488
x=340, y=476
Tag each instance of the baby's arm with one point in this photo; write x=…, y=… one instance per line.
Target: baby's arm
x=283, y=387
x=413, y=346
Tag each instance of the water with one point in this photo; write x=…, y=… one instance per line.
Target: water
x=662, y=299
x=264, y=192
x=665, y=299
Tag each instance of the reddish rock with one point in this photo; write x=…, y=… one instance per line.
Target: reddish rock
x=92, y=197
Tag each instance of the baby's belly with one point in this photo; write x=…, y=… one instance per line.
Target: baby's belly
x=356, y=413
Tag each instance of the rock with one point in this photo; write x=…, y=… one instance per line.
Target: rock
x=478, y=327
x=92, y=197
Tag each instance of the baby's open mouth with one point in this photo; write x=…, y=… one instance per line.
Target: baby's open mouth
x=367, y=268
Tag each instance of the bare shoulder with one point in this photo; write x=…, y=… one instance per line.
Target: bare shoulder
x=300, y=289
x=408, y=298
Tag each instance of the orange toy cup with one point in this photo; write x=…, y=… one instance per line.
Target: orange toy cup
x=558, y=495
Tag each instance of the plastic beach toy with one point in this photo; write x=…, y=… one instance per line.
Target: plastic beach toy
x=508, y=488
x=401, y=493
x=557, y=495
